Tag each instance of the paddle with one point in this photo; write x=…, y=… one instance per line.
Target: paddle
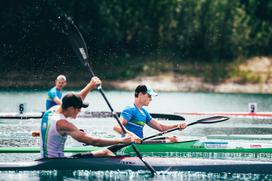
x=209, y=120
x=86, y=114
x=105, y=114
x=80, y=48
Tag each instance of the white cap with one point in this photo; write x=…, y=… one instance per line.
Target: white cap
x=61, y=77
x=150, y=91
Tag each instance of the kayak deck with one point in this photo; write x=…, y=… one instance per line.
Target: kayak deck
x=134, y=164
x=180, y=147
x=200, y=146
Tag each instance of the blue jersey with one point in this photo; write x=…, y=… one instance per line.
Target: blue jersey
x=136, y=119
x=54, y=92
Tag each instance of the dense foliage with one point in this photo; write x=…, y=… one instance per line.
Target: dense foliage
x=203, y=30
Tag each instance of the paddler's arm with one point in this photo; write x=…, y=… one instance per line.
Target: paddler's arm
x=119, y=130
x=95, y=141
x=163, y=127
x=66, y=128
x=57, y=100
x=53, y=96
x=94, y=82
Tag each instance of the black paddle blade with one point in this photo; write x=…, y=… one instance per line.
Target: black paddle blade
x=210, y=120
x=76, y=40
x=167, y=116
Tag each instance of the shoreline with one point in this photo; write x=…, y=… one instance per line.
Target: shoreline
x=176, y=83
x=184, y=84
x=168, y=82
x=252, y=76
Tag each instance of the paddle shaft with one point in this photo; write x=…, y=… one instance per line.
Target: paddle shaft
x=106, y=100
x=115, y=148
x=159, y=134
x=165, y=132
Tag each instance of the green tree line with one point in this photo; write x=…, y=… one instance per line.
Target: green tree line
x=203, y=30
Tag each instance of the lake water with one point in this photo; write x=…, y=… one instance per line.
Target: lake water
x=18, y=132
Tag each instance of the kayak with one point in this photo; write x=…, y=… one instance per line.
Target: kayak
x=184, y=146
x=134, y=164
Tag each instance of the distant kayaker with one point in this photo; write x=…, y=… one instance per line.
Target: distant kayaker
x=135, y=117
x=55, y=126
x=55, y=94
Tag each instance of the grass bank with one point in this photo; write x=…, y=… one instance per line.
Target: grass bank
x=251, y=75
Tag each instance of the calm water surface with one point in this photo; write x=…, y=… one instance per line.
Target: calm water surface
x=18, y=132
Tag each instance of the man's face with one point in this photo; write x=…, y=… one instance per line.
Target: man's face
x=145, y=99
x=73, y=112
x=60, y=84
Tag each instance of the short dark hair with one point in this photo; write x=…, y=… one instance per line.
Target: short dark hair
x=73, y=100
x=140, y=88
x=144, y=89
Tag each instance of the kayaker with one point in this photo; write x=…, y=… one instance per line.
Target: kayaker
x=135, y=117
x=55, y=126
x=55, y=94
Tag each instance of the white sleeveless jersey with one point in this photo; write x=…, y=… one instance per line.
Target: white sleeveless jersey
x=52, y=143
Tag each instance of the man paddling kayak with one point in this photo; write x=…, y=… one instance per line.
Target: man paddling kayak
x=55, y=127
x=55, y=94
x=134, y=117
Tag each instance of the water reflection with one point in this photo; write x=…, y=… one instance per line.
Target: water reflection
x=127, y=175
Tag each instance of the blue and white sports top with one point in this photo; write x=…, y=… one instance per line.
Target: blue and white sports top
x=136, y=119
x=52, y=93
x=52, y=143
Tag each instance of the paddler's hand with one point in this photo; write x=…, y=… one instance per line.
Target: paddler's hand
x=171, y=139
x=136, y=140
x=128, y=139
x=182, y=126
x=134, y=137
x=95, y=81
x=125, y=140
